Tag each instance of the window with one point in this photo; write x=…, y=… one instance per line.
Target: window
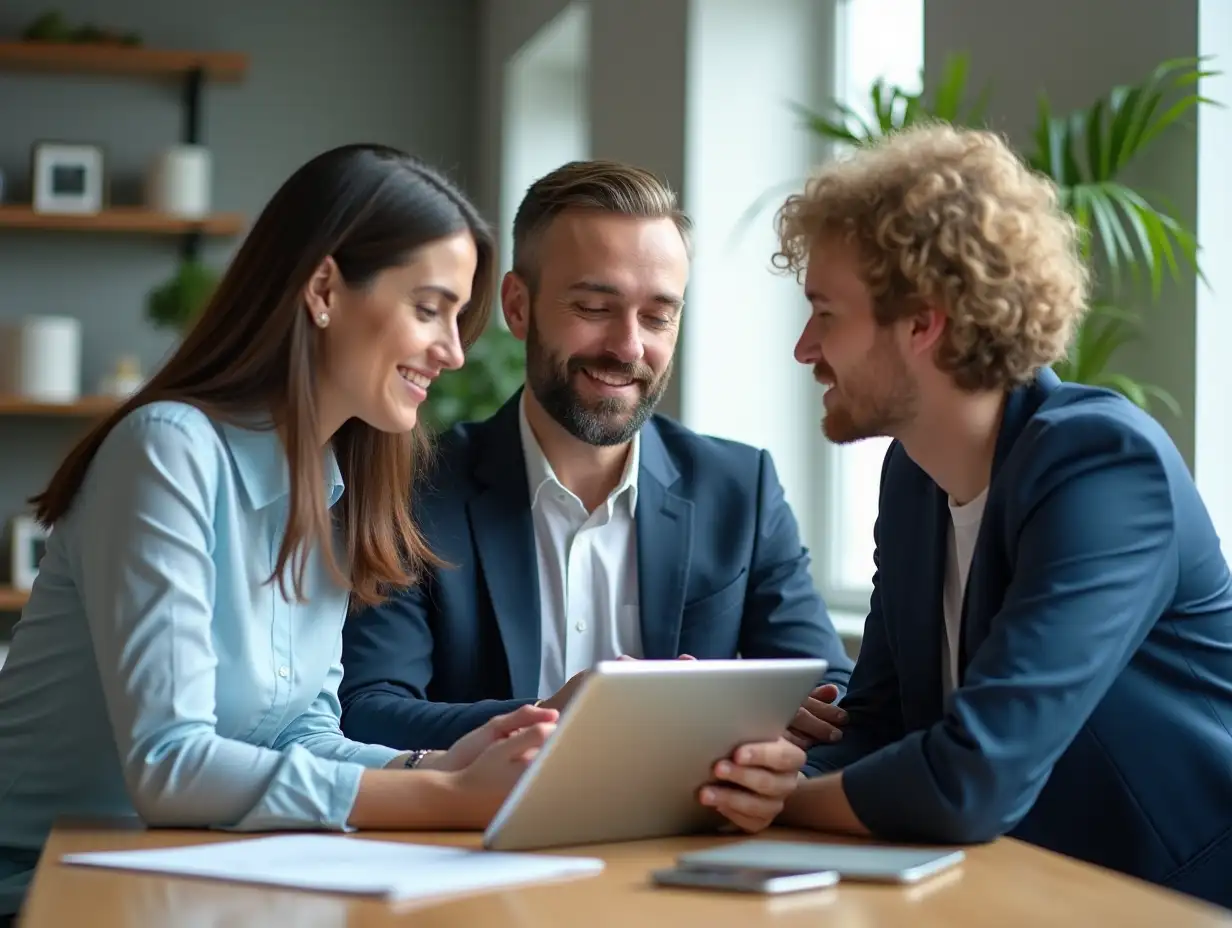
x=545, y=113
x=866, y=51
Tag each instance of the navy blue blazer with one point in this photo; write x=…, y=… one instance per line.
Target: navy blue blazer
x=1094, y=707
x=721, y=573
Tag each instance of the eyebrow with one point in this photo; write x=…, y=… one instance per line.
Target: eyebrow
x=815, y=296
x=435, y=288
x=590, y=286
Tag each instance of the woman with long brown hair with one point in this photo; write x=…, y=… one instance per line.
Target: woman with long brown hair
x=180, y=653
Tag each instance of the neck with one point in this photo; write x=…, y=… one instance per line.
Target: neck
x=329, y=418
x=589, y=472
x=953, y=439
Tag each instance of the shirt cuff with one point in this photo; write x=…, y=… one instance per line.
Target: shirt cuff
x=342, y=796
x=374, y=756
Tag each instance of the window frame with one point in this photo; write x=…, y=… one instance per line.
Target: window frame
x=829, y=532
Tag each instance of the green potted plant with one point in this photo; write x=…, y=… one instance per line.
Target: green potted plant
x=495, y=367
x=1085, y=153
x=175, y=303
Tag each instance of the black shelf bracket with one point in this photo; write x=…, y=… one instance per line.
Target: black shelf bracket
x=192, y=106
x=192, y=136
x=191, y=247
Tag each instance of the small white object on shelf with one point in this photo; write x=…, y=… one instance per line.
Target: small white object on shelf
x=359, y=866
x=40, y=359
x=27, y=544
x=179, y=182
x=69, y=178
x=124, y=380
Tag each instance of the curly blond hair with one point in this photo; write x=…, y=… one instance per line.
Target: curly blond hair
x=952, y=218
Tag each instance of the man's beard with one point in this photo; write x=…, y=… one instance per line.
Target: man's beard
x=607, y=421
x=876, y=400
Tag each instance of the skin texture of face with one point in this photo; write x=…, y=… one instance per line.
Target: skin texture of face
x=602, y=330
x=872, y=390
x=386, y=342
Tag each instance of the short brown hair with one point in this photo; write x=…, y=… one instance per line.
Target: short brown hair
x=952, y=218
x=602, y=186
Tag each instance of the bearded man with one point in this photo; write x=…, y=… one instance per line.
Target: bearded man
x=576, y=524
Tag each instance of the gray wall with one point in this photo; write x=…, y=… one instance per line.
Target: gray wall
x=321, y=73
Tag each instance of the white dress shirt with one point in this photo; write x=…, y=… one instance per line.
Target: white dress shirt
x=588, y=589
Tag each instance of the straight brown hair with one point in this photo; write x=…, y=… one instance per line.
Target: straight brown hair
x=254, y=351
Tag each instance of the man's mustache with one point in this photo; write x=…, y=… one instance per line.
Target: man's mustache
x=639, y=372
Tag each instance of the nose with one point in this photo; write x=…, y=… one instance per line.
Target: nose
x=624, y=339
x=808, y=346
x=447, y=351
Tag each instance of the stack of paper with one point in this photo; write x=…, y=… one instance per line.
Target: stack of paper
x=333, y=863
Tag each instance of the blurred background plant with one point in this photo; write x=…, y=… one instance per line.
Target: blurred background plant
x=175, y=303
x=1086, y=152
x=494, y=369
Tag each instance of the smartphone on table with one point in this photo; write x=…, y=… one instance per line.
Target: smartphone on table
x=762, y=880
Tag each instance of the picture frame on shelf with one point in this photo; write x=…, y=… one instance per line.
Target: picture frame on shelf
x=68, y=178
x=29, y=542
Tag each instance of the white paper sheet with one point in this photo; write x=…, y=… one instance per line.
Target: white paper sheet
x=334, y=863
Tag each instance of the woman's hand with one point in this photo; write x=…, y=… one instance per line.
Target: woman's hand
x=481, y=787
x=467, y=749
x=459, y=788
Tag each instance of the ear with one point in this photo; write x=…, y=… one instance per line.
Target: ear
x=321, y=291
x=515, y=304
x=925, y=329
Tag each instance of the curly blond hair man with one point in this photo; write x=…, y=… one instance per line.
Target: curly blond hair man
x=1048, y=650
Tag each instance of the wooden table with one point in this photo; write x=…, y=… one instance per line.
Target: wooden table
x=1003, y=884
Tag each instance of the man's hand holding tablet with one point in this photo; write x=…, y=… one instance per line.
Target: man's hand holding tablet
x=754, y=783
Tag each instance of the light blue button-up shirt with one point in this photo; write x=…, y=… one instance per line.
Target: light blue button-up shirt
x=155, y=670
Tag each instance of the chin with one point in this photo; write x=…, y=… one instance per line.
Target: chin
x=394, y=420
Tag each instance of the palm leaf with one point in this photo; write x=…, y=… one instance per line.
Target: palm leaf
x=1105, y=330
x=829, y=127
x=1085, y=153
x=1140, y=394
x=772, y=196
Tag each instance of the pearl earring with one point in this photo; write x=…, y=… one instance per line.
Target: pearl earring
x=322, y=320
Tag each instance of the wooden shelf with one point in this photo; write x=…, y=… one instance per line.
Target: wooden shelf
x=120, y=219
x=12, y=600
x=87, y=407
x=124, y=60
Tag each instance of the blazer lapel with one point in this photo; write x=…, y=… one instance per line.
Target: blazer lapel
x=1020, y=405
x=664, y=548
x=923, y=635
x=504, y=535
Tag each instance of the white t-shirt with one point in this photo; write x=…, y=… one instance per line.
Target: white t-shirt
x=964, y=529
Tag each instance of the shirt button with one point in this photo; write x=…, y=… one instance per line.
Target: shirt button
x=283, y=672
x=581, y=626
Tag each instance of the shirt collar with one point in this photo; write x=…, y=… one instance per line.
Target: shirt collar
x=539, y=472
x=262, y=464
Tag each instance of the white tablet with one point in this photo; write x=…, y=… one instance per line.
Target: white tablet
x=637, y=743
x=879, y=864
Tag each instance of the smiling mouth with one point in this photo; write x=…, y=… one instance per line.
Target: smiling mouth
x=415, y=378
x=609, y=378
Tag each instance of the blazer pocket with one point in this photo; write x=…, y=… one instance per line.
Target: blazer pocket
x=720, y=600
